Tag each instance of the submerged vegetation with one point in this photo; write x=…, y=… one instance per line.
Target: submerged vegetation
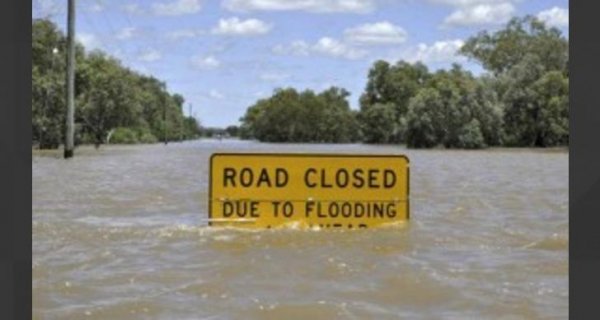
x=522, y=99
x=113, y=103
x=291, y=116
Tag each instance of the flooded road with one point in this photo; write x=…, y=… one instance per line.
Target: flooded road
x=121, y=233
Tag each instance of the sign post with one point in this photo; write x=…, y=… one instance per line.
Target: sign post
x=308, y=190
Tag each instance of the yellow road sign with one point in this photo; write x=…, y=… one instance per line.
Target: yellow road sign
x=310, y=190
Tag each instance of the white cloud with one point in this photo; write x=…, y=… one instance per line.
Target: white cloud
x=150, y=55
x=176, y=8
x=555, y=17
x=335, y=48
x=205, y=62
x=215, y=94
x=235, y=26
x=376, y=33
x=88, y=40
x=325, y=46
x=481, y=14
x=478, y=12
x=318, y=6
x=438, y=52
x=126, y=33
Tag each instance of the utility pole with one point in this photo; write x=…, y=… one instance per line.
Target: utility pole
x=70, y=134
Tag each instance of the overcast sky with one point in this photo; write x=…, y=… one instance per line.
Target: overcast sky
x=223, y=55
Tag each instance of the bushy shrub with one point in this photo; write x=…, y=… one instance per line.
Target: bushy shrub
x=124, y=136
x=423, y=129
x=377, y=123
x=470, y=136
x=292, y=116
x=144, y=135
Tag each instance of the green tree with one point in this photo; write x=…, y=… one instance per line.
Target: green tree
x=110, y=98
x=552, y=97
x=377, y=123
x=529, y=60
x=336, y=122
x=394, y=85
x=489, y=111
x=233, y=131
x=502, y=50
x=424, y=119
x=279, y=119
x=193, y=129
x=452, y=112
x=105, y=102
x=292, y=116
x=470, y=136
x=47, y=102
x=47, y=95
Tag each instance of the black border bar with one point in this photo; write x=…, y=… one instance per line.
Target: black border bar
x=308, y=155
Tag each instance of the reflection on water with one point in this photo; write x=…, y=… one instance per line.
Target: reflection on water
x=120, y=233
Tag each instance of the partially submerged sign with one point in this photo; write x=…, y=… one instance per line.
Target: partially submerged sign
x=313, y=190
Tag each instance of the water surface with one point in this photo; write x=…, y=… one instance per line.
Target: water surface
x=120, y=233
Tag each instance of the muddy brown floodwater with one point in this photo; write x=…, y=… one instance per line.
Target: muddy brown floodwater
x=121, y=233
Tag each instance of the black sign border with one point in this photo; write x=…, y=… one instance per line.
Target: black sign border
x=311, y=155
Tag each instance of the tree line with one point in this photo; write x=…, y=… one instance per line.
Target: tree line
x=114, y=104
x=521, y=100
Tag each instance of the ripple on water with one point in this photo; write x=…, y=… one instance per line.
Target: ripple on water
x=121, y=233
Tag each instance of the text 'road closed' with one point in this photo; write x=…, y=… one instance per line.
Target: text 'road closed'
x=316, y=190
